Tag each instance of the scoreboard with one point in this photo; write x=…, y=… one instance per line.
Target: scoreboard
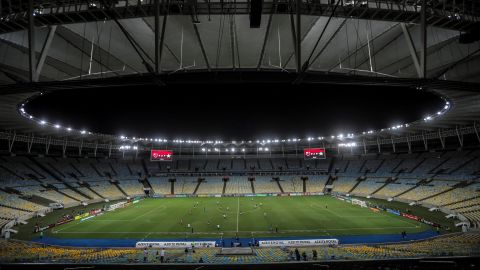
x=161, y=155
x=314, y=153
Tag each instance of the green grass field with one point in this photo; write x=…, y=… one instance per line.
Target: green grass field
x=168, y=218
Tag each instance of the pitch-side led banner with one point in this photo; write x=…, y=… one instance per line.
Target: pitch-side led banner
x=298, y=243
x=175, y=244
x=314, y=153
x=161, y=155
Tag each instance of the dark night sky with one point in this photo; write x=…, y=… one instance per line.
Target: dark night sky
x=234, y=111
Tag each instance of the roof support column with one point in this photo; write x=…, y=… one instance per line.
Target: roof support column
x=364, y=147
x=393, y=144
x=157, y=34
x=378, y=145
x=30, y=143
x=11, y=141
x=425, y=141
x=442, y=140
x=95, y=149
x=31, y=41
x=44, y=52
x=298, y=39
x=476, y=130
x=460, y=137
x=110, y=150
x=411, y=48
x=423, y=31
x=64, y=148
x=80, y=148
x=48, y=141
x=409, y=145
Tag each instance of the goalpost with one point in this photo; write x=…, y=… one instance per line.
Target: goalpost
x=359, y=202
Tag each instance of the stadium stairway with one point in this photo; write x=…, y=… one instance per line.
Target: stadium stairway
x=253, y=186
x=37, y=200
x=378, y=167
x=418, y=165
x=52, y=187
x=461, y=201
x=56, y=177
x=463, y=165
x=144, y=181
x=145, y=167
x=330, y=165
x=279, y=185
x=224, y=185
x=115, y=183
x=199, y=182
x=33, y=170
x=359, y=180
x=16, y=208
x=96, y=170
x=86, y=185
x=388, y=181
x=11, y=172
x=363, y=166
x=459, y=185
x=419, y=183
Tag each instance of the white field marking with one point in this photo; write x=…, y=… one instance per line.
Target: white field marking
x=250, y=211
x=156, y=208
x=66, y=227
x=108, y=220
x=146, y=236
x=238, y=211
x=213, y=233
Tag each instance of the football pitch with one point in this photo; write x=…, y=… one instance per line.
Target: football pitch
x=237, y=216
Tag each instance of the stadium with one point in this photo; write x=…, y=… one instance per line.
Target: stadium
x=249, y=134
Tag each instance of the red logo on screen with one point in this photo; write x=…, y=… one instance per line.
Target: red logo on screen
x=314, y=153
x=161, y=155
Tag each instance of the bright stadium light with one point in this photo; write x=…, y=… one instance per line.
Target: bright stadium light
x=266, y=149
x=352, y=144
x=83, y=132
x=69, y=129
x=57, y=126
x=43, y=122
x=203, y=149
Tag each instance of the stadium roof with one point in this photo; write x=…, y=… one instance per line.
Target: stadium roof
x=98, y=43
